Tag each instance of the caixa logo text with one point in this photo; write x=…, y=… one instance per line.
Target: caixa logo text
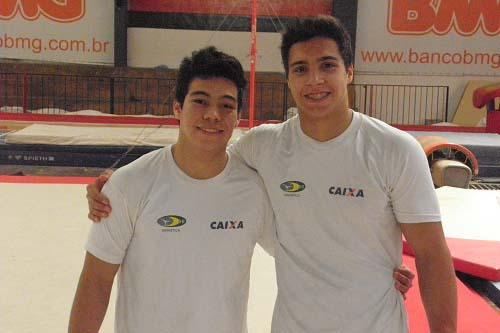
x=55, y=10
x=466, y=17
x=215, y=225
x=347, y=192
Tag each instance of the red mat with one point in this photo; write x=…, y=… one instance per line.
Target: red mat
x=479, y=258
x=46, y=180
x=475, y=315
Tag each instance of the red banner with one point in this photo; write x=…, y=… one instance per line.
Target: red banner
x=267, y=8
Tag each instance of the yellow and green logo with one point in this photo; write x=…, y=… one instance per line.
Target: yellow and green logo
x=293, y=186
x=171, y=221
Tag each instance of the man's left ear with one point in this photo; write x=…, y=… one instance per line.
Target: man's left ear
x=350, y=73
x=237, y=119
x=177, y=109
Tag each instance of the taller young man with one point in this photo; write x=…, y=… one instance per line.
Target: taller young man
x=344, y=188
x=185, y=221
x=361, y=183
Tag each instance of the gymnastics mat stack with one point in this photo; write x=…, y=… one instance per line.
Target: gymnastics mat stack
x=475, y=315
x=471, y=223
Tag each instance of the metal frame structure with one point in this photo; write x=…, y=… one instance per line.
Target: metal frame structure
x=56, y=95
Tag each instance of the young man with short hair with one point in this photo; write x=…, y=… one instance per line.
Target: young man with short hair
x=185, y=222
x=344, y=188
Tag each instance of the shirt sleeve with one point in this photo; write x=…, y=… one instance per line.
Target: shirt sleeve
x=268, y=237
x=109, y=239
x=244, y=149
x=413, y=196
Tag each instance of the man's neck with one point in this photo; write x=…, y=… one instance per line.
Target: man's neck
x=199, y=164
x=326, y=128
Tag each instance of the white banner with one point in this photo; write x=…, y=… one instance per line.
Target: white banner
x=445, y=37
x=153, y=47
x=75, y=31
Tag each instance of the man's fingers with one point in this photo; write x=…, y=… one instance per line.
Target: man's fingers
x=401, y=289
x=107, y=173
x=102, y=179
x=94, y=196
x=98, y=209
x=402, y=279
x=405, y=285
x=402, y=283
x=99, y=206
x=99, y=213
x=405, y=271
x=94, y=218
x=94, y=191
x=96, y=215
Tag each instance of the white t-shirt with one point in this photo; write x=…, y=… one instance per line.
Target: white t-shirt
x=184, y=245
x=337, y=204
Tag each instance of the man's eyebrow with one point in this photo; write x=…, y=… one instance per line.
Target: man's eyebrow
x=324, y=58
x=300, y=62
x=329, y=58
x=204, y=93
x=229, y=97
x=199, y=92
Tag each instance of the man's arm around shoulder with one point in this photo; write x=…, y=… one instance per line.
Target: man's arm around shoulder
x=436, y=275
x=92, y=295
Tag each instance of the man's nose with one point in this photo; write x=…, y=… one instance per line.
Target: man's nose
x=212, y=113
x=314, y=77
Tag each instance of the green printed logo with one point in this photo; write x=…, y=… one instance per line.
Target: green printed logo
x=293, y=186
x=171, y=221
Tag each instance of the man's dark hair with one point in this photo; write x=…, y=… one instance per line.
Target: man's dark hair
x=209, y=63
x=321, y=26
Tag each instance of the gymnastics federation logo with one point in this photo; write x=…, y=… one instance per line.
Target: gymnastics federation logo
x=171, y=221
x=292, y=186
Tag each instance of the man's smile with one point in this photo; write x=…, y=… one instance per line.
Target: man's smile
x=210, y=130
x=318, y=96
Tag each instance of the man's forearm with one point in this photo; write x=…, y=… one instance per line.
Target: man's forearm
x=90, y=305
x=436, y=275
x=92, y=295
x=438, y=289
